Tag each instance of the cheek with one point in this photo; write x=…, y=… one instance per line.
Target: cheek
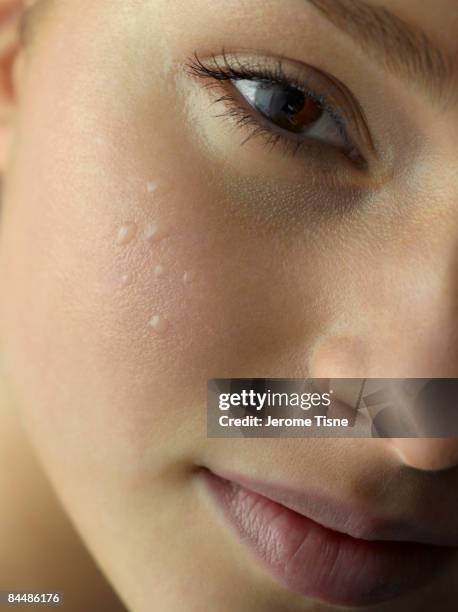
x=129, y=281
x=109, y=311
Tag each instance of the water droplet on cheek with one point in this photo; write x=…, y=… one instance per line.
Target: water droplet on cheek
x=154, y=232
x=189, y=277
x=158, y=271
x=159, y=323
x=125, y=280
x=126, y=233
x=151, y=186
x=158, y=188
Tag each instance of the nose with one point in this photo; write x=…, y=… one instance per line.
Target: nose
x=410, y=333
x=396, y=316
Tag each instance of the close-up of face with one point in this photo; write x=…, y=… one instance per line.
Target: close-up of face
x=256, y=188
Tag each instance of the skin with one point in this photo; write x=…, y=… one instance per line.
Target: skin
x=115, y=410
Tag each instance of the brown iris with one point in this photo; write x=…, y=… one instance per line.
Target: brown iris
x=287, y=107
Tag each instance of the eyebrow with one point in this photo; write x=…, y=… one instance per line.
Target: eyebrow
x=405, y=50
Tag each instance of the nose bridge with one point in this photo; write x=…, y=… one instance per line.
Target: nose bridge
x=408, y=307
x=401, y=320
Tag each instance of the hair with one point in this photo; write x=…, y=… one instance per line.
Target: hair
x=32, y=18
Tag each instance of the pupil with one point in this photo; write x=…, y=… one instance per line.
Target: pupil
x=294, y=102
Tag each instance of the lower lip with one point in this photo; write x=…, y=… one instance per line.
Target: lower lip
x=317, y=562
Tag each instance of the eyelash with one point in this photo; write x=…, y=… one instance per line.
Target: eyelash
x=229, y=68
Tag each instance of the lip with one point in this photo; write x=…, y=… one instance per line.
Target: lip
x=322, y=549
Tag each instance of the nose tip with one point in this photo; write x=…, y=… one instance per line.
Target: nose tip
x=427, y=454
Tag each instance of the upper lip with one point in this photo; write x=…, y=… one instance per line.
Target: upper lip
x=343, y=516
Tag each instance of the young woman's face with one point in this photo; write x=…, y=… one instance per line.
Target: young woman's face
x=166, y=221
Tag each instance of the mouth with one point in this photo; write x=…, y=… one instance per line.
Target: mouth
x=322, y=550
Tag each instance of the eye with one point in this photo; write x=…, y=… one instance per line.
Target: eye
x=292, y=110
x=288, y=102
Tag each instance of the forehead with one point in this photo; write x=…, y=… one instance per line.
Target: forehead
x=437, y=17
x=418, y=39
